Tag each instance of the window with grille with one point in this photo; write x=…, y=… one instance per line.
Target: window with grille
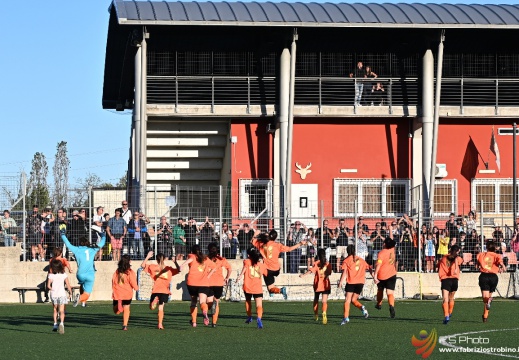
x=496, y=195
x=385, y=198
x=445, y=197
x=255, y=198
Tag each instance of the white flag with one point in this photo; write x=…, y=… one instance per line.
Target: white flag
x=495, y=149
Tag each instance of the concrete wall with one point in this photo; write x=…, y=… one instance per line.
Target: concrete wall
x=14, y=273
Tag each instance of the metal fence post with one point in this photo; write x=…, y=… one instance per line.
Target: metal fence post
x=481, y=224
x=156, y=240
x=89, y=214
x=220, y=211
x=322, y=222
x=24, y=212
x=356, y=217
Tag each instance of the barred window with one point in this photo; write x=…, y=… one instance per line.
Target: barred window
x=496, y=194
x=255, y=198
x=374, y=197
x=445, y=197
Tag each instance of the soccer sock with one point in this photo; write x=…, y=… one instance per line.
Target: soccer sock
x=485, y=310
x=161, y=316
x=346, y=309
x=126, y=315
x=210, y=305
x=259, y=311
x=84, y=297
x=316, y=307
x=391, y=299
x=216, y=312
x=451, y=306
x=380, y=296
x=248, y=307
x=193, y=311
x=357, y=304
x=445, y=307
x=274, y=290
x=325, y=307
x=204, y=308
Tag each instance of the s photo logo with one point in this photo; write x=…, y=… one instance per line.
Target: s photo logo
x=426, y=343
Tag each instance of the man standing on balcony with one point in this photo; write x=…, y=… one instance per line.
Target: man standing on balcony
x=358, y=73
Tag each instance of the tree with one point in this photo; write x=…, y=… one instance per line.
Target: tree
x=38, y=192
x=60, y=172
x=80, y=197
x=123, y=181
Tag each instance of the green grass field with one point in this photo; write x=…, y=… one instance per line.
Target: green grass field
x=290, y=332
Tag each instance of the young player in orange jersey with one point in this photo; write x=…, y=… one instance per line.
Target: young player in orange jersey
x=322, y=271
x=201, y=268
x=490, y=264
x=58, y=255
x=449, y=273
x=270, y=250
x=251, y=273
x=354, y=272
x=385, y=275
x=217, y=281
x=124, y=281
x=161, y=276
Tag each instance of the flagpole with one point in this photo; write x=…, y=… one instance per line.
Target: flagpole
x=514, y=192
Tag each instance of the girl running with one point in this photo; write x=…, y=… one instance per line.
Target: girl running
x=252, y=271
x=85, y=254
x=270, y=250
x=124, y=281
x=56, y=284
x=58, y=255
x=354, y=272
x=385, y=275
x=322, y=271
x=161, y=275
x=217, y=281
x=449, y=273
x=200, y=271
x=490, y=264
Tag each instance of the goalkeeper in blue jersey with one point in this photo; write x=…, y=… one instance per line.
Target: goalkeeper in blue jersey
x=85, y=254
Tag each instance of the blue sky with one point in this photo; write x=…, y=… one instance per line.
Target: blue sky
x=52, y=79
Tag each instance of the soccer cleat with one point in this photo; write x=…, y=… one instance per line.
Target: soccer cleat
x=484, y=319
x=193, y=324
x=260, y=323
x=213, y=308
x=76, y=301
x=378, y=307
x=392, y=311
x=284, y=292
x=325, y=319
x=83, y=304
x=488, y=303
x=61, y=328
x=316, y=317
x=206, y=318
x=160, y=327
x=125, y=328
x=249, y=320
x=120, y=308
x=365, y=312
x=154, y=303
x=213, y=325
x=446, y=320
x=55, y=327
x=345, y=321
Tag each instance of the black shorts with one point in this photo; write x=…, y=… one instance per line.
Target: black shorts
x=125, y=302
x=354, y=288
x=215, y=291
x=389, y=283
x=270, y=278
x=256, y=296
x=488, y=282
x=195, y=290
x=450, y=284
x=325, y=292
x=163, y=298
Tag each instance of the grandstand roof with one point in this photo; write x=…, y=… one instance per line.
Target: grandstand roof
x=316, y=14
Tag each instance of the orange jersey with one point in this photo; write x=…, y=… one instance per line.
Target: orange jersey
x=123, y=286
x=449, y=270
x=270, y=253
x=489, y=262
x=252, y=277
x=321, y=278
x=355, y=269
x=197, y=275
x=161, y=279
x=64, y=261
x=217, y=279
x=386, y=264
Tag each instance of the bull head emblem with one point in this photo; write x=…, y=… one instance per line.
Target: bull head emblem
x=305, y=171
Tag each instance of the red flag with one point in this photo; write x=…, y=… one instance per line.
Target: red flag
x=495, y=150
x=470, y=164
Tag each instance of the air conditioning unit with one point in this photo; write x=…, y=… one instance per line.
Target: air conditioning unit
x=440, y=171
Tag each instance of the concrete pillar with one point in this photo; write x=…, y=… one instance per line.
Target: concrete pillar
x=136, y=141
x=427, y=124
x=144, y=125
x=284, y=101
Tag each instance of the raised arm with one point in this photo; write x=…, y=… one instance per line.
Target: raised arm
x=150, y=254
x=72, y=248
